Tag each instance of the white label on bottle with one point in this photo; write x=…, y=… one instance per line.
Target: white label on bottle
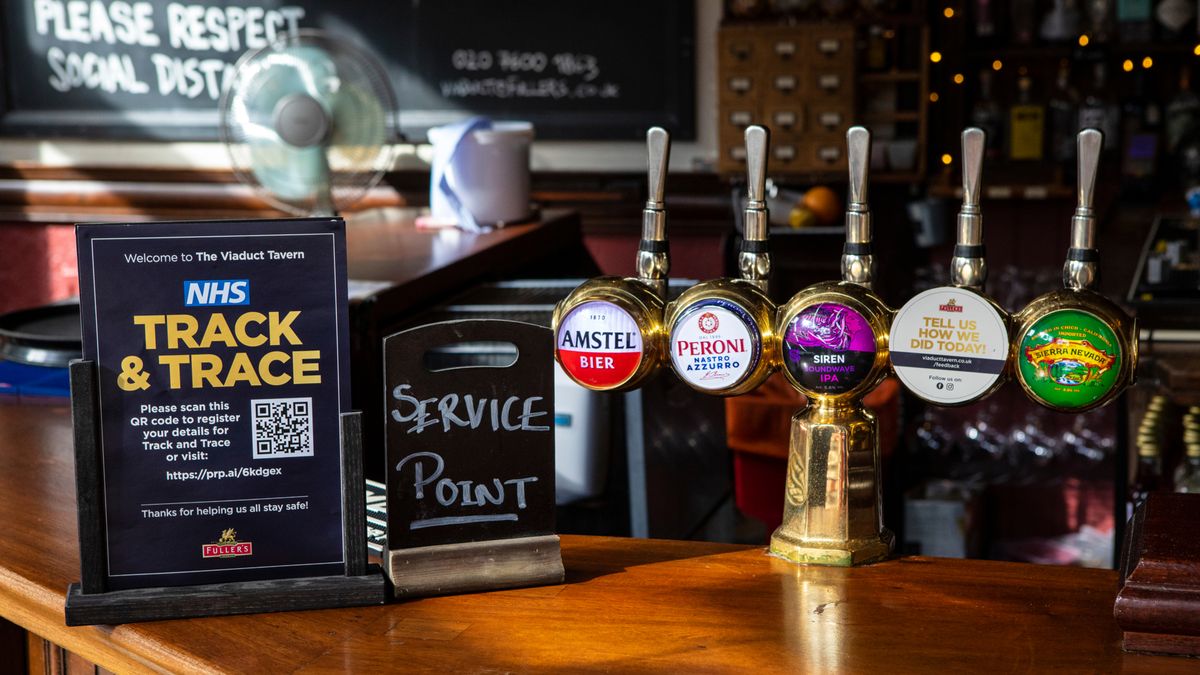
x=948, y=345
x=714, y=345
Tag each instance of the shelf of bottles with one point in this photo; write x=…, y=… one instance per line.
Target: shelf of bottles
x=1033, y=73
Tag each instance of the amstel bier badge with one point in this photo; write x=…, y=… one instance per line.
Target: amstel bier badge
x=715, y=344
x=227, y=546
x=1069, y=358
x=599, y=344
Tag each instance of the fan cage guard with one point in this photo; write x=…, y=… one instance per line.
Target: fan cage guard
x=346, y=186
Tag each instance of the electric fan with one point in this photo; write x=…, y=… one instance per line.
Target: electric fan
x=309, y=122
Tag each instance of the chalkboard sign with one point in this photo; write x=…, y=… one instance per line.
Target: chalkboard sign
x=153, y=69
x=470, y=448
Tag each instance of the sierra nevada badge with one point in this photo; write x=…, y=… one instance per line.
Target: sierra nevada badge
x=1069, y=358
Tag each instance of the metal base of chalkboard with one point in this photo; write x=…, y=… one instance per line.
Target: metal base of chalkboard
x=91, y=602
x=475, y=566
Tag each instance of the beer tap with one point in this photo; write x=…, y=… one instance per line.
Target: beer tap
x=608, y=331
x=950, y=344
x=835, y=350
x=1075, y=349
x=720, y=333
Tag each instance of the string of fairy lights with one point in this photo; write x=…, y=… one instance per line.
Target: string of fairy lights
x=957, y=78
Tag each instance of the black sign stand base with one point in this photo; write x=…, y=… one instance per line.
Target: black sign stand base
x=90, y=602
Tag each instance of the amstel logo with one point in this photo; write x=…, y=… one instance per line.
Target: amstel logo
x=227, y=546
x=1069, y=362
x=951, y=306
x=708, y=323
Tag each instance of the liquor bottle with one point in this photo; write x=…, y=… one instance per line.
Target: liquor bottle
x=1133, y=21
x=876, y=53
x=1024, y=21
x=1183, y=113
x=985, y=19
x=1147, y=475
x=1061, y=23
x=1140, y=131
x=1063, y=119
x=987, y=116
x=1187, y=477
x=1175, y=18
x=1027, y=124
x=1098, y=24
x=1097, y=111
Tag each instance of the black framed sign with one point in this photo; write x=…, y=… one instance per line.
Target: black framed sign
x=221, y=377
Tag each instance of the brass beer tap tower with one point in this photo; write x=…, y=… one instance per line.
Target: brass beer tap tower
x=950, y=344
x=1075, y=349
x=609, y=331
x=720, y=337
x=835, y=350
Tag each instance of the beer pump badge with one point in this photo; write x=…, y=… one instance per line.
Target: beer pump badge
x=599, y=344
x=948, y=345
x=715, y=344
x=1069, y=358
x=829, y=348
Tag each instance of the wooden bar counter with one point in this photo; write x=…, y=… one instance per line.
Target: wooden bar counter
x=628, y=605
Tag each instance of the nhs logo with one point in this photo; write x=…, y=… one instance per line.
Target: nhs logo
x=216, y=292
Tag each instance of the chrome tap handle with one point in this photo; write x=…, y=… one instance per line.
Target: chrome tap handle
x=1081, y=270
x=654, y=259
x=754, y=262
x=968, y=267
x=857, y=261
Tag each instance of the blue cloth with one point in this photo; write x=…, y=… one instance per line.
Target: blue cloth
x=445, y=203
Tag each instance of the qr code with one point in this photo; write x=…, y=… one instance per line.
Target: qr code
x=282, y=427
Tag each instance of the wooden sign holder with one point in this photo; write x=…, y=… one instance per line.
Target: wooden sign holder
x=91, y=602
x=527, y=559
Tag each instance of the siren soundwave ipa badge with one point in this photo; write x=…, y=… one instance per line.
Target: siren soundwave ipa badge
x=599, y=344
x=715, y=344
x=948, y=345
x=829, y=348
x=1069, y=358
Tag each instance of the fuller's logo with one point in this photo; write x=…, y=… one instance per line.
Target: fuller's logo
x=227, y=546
x=951, y=306
x=1069, y=362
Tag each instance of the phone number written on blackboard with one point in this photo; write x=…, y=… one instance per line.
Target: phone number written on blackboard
x=526, y=74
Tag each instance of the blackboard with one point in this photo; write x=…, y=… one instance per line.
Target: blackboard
x=153, y=69
x=470, y=438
